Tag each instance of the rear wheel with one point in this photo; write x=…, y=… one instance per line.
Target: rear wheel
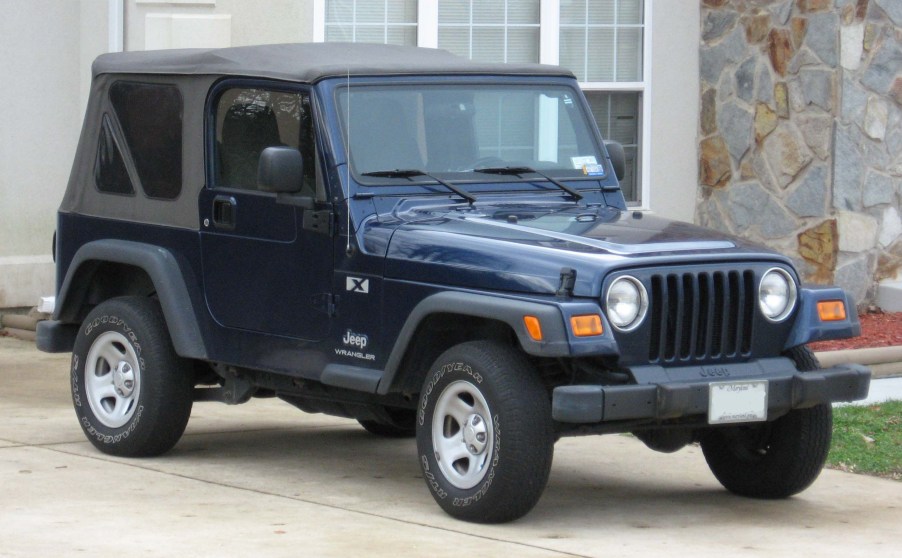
x=775, y=459
x=132, y=393
x=484, y=433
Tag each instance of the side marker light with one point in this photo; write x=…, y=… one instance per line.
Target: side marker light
x=533, y=327
x=831, y=310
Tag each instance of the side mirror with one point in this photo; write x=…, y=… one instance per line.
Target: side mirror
x=618, y=158
x=280, y=170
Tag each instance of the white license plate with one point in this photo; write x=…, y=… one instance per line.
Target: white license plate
x=737, y=402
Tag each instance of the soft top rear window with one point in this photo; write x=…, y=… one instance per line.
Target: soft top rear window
x=150, y=115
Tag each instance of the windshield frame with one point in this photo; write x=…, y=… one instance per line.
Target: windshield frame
x=480, y=182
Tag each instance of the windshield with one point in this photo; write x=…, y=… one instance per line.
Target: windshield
x=453, y=129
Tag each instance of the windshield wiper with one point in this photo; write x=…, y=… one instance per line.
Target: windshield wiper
x=410, y=173
x=516, y=171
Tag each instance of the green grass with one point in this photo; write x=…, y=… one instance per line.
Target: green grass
x=868, y=440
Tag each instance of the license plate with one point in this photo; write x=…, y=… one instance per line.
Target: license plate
x=737, y=402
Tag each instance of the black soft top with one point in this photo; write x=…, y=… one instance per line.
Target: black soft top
x=309, y=63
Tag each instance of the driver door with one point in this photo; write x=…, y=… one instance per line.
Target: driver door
x=262, y=271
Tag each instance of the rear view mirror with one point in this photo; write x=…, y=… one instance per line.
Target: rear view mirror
x=280, y=170
x=618, y=158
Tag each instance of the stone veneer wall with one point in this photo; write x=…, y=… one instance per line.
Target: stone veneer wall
x=800, y=133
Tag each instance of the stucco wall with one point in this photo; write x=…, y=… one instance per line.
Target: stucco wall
x=801, y=132
x=674, y=109
x=42, y=54
x=221, y=23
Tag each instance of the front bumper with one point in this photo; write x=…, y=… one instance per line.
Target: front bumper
x=673, y=393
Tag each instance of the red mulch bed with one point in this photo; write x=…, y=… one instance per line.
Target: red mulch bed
x=878, y=329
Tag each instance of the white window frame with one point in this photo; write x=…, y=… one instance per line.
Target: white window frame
x=549, y=53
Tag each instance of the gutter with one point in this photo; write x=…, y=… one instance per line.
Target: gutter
x=116, y=25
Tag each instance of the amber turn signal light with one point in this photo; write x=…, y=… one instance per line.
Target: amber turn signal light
x=586, y=326
x=831, y=310
x=533, y=327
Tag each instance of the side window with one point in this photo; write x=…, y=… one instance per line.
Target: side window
x=110, y=173
x=248, y=120
x=150, y=115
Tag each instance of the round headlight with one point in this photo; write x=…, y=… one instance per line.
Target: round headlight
x=776, y=295
x=626, y=303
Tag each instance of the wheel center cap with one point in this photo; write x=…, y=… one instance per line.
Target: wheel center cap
x=124, y=379
x=475, y=434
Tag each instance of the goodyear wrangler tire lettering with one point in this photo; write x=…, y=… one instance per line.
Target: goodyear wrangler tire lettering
x=475, y=389
x=131, y=392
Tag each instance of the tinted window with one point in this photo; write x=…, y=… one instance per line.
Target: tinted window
x=151, y=118
x=248, y=120
x=109, y=167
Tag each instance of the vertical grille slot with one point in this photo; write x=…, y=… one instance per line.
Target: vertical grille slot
x=658, y=331
x=747, y=306
x=674, y=306
x=700, y=316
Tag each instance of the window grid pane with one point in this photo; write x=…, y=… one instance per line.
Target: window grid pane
x=372, y=21
x=612, y=33
x=490, y=30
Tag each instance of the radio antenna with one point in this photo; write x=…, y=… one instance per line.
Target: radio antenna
x=348, y=162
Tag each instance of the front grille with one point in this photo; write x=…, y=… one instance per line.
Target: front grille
x=701, y=315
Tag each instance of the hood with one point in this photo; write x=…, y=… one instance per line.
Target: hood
x=523, y=248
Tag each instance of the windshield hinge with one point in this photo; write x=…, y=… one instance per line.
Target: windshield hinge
x=319, y=221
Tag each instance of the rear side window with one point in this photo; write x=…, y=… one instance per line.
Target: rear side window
x=150, y=115
x=109, y=166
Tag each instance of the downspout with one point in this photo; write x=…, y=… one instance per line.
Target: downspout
x=116, y=25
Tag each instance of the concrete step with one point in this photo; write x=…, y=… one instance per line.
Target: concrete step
x=889, y=295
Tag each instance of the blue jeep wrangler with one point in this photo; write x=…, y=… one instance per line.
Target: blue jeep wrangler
x=434, y=247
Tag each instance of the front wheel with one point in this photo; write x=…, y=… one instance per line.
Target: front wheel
x=776, y=459
x=484, y=433
x=132, y=393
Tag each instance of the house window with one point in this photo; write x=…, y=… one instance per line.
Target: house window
x=618, y=116
x=371, y=21
x=490, y=30
x=604, y=42
x=601, y=40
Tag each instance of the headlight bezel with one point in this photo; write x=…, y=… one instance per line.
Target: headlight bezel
x=792, y=295
x=642, y=310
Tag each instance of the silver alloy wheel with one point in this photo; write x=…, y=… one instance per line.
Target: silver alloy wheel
x=112, y=379
x=462, y=434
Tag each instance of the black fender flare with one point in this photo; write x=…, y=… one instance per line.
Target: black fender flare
x=555, y=341
x=164, y=271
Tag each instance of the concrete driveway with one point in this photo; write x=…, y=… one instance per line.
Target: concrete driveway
x=264, y=479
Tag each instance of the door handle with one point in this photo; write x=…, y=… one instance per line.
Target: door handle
x=224, y=212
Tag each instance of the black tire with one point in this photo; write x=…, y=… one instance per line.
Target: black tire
x=399, y=423
x=776, y=459
x=500, y=480
x=132, y=393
